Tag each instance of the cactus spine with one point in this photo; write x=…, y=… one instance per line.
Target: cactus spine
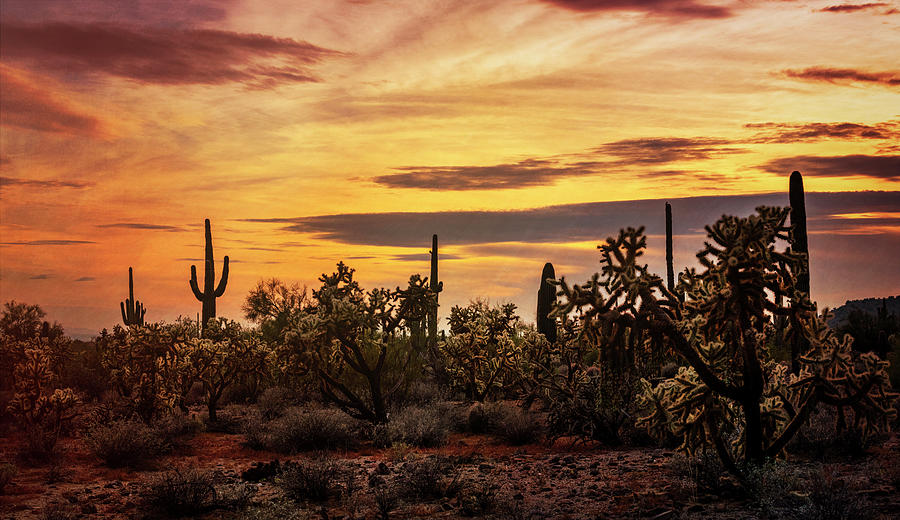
x=546, y=298
x=436, y=287
x=800, y=244
x=670, y=270
x=132, y=310
x=208, y=295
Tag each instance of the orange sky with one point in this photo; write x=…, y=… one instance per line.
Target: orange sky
x=123, y=128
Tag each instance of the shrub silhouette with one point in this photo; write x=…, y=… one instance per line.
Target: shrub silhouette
x=732, y=397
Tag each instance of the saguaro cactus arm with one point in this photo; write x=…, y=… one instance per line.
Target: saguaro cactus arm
x=220, y=290
x=194, y=287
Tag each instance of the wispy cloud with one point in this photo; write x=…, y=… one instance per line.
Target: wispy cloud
x=839, y=76
x=852, y=8
x=874, y=166
x=162, y=55
x=26, y=103
x=657, y=150
x=48, y=242
x=40, y=277
x=43, y=184
x=85, y=279
x=139, y=225
x=610, y=158
x=680, y=9
x=798, y=132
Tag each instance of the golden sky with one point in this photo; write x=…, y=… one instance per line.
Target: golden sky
x=310, y=132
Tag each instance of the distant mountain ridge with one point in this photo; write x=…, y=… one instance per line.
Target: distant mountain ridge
x=867, y=305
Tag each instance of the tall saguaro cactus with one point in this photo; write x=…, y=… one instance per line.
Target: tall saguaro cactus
x=546, y=298
x=670, y=270
x=208, y=295
x=799, y=244
x=436, y=286
x=132, y=310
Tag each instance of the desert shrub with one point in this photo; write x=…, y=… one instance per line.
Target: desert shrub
x=179, y=493
x=517, y=426
x=313, y=479
x=386, y=496
x=422, y=427
x=298, y=430
x=280, y=510
x=59, y=511
x=274, y=401
x=126, y=442
x=231, y=419
x=175, y=427
x=478, y=498
x=704, y=470
x=426, y=392
x=600, y=410
x=772, y=487
x=830, y=498
x=429, y=478
x=821, y=439
x=7, y=473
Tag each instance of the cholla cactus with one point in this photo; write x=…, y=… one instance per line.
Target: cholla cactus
x=732, y=389
x=357, y=343
x=142, y=361
x=40, y=407
x=482, y=350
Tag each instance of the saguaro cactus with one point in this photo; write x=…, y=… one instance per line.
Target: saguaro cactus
x=799, y=244
x=132, y=310
x=670, y=270
x=436, y=286
x=546, y=298
x=208, y=295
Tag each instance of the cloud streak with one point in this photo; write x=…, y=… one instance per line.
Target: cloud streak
x=45, y=184
x=142, y=226
x=566, y=223
x=163, y=56
x=844, y=76
x=799, y=132
x=875, y=166
x=609, y=158
x=25, y=103
x=679, y=9
x=48, y=242
x=852, y=8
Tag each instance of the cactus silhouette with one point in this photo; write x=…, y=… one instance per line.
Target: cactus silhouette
x=208, y=295
x=132, y=310
x=436, y=287
x=799, y=244
x=546, y=299
x=670, y=270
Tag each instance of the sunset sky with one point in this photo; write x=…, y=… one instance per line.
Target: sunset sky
x=520, y=131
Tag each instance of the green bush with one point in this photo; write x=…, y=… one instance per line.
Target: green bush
x=704, y=470
x=830, y=498
x=126, y=442
x=422, y=427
